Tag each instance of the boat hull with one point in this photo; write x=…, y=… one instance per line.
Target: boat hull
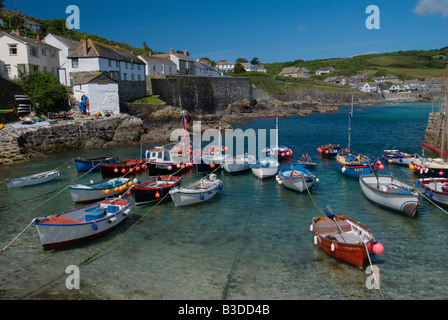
x=265, y=169
x=118, y=169
x=64, y=232
x=352, y=170
x=148, y=192
x=238, y=165
x=398, y=157
x=355, y=253
x=433, y=169
x=330, y=151
x=95, y=192
x=391, y=193
x=156, y=168
x=85, y=165
x=436, y=189
x=190, y=195
x=299, y=180
x=32, y=180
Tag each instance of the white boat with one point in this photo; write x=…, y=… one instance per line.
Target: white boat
x=199, y=191
x=265, y=168
x=398, y=157
x=238, y=163
x=97, y=191
x=391, y=193
x=33, y=179
x=436, y=189
x=81, y=224
x=296, y=177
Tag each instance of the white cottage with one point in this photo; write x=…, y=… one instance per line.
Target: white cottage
x=101, y=91
x=21, y=54
x=158, y=65
x=66, y=46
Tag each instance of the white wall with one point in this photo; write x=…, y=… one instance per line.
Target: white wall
x=101, y=97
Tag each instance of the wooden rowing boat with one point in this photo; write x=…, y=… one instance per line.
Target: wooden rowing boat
x=343, y=238
x=33, y=179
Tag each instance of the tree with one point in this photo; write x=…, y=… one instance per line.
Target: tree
x=255, y=61
x=241, y=60
x=239, y=68
x=45, y=90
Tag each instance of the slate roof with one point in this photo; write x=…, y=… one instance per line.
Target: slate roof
x=96, y=49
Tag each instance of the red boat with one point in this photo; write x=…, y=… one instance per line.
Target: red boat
x=154, y=190
x=343, y=238
x=118, y=169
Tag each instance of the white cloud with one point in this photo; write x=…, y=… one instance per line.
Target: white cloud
x=430, y=7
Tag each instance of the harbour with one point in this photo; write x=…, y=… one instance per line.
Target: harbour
x=251, y=241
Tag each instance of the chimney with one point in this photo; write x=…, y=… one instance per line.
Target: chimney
x=39, y=36
x=186, y=52
x=69, y=37
x=18, y=32
x=171, y=51
x=168, y=56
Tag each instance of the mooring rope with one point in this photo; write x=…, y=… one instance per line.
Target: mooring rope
x=433, y=202
x=239, y=252
x=39, y=205
x=367, y=251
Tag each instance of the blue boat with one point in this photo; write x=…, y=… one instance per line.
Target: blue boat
x=92, y=164
x=353, y=165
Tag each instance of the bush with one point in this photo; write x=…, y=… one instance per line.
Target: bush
x=45, y=90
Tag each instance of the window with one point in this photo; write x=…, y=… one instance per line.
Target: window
x=154, y=68
x=44, y=69
x=139, y=67
x=75, y=63
x=132, y=66
x=126, y=65
x=13, y=49
x=139, y=78
x=52, y=53
x=44, y=52
x=7, y=68
x=132, y=77
x=34, y=52
x=110, y=63
x=125, y=75
x=118, y=63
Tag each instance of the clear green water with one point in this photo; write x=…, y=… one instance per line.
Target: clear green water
x=252, y=241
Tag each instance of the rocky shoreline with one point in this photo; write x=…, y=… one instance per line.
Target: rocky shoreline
x=153, y=124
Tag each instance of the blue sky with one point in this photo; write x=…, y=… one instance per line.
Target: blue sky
x=272, y=31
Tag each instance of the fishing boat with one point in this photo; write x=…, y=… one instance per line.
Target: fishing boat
x=163, y=161
x=354, y=165
x=296, y=177
x=307, y=165
x=196, y=192
x=33, y=179
x=277, y=151
x=265, y=168
x=343, y=238
x=436, y=167
x=239, y=163
x=436, y=189
x=92, y=164
x=97, y=191
x=81, y=224
x=330, y=150
x=391, y=193
x=117, y=169
x=154, y=189
x=210, y=159
x=398, y=157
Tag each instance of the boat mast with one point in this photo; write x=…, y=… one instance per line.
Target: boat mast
x=350, y=126
x=276, y=132
x=444, y=132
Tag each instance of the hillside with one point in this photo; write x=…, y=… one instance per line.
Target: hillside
x=404, y=64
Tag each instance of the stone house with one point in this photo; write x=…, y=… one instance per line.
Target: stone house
x=184, y=64
x=295, y=72
x=324, y=70
x=336, y=80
